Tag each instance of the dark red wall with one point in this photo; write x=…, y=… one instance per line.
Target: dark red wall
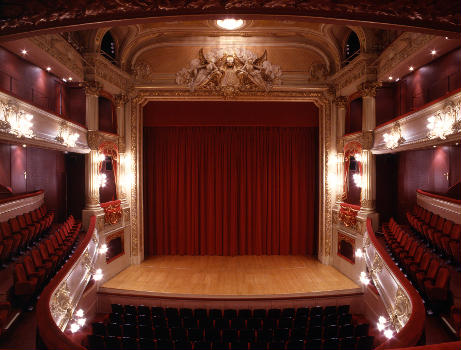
x=386, y=108
x=75, y=104
x=75, y=181
x=36, y=86
x=29, y=82
x=107, y=117
x=353, y=121
x=432, y=170
x=429, y=82
x=30, y=169
x=168, y=113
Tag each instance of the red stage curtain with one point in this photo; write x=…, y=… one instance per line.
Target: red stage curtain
x=230, y=190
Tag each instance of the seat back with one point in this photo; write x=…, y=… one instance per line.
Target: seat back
x=35, y=254
x=14, y=224
x=440, y=223
x=427, y=216
x=28, y=265
x=43, y=251
x=19, y=273
x=433, y=268
x=418, y=254
x=455, y=232
x=434, y=220
x=425, y=261
x=447, y=227
x=414, y=246
x=443, y=276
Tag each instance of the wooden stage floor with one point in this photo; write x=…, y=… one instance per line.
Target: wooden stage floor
x=240, y=276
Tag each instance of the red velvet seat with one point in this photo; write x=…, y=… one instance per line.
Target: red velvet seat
x=428, y=274
x=421, y=266
x=431, y=225
x=37, y=225
x=23, y=286
x=37, y=219
x=59, y=253
x=32, y=271
x=34, y=229
x=442, y=238
x=16, y=228
x=437, y=290
x=414, y=255
x=409, y=249
x=438, y=228
x=46, y=256
x=41, y=263
x=7, y=233
x=6, y=248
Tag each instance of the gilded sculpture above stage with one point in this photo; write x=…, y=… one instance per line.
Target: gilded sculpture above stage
x=230, y=71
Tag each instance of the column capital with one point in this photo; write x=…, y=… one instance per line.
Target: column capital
x=341, y=101
x=92, y=88
x=120, y=100
x=368, y=89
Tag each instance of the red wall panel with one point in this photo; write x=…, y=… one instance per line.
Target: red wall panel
x=5, y=165
x=399, y=176
x=429, y=82
x=354, y=116
x=47, y=170
x=169, y=113
x=107, y=117
x=385, y=104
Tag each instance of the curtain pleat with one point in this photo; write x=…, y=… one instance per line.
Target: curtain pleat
x=230, y=190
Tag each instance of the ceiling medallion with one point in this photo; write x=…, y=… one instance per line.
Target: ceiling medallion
x=230, y=71
x=230, y=23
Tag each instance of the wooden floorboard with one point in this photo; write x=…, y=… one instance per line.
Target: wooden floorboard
x=232, y=276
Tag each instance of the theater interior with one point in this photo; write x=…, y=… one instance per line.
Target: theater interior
x=228, y=175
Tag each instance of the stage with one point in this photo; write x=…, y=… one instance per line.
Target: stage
x=174, y=279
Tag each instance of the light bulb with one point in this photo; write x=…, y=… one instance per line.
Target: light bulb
x=79, y=313
x=358, y=253
x=388, y=333
x=74, y=327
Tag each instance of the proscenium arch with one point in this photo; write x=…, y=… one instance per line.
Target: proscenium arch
x=322, y=98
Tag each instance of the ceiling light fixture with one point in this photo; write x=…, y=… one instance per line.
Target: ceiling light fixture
x=70, y=78
x=433, y=52
x=229, y=23
x=64, y=80
x=411, y=68
x=390, y=78
x=48, y=69
x=24, y=51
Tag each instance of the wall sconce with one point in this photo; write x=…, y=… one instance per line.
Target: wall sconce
x=78, y=322
x=102, y=180
x=364, y=278
x=15, y=121
x=384, y=326
x=103, y=249
x=358, y=157
x=97, y=276
x=357, y=180
x=359, y=253
x=65, y=136
x=394, y=139
x=445, y=122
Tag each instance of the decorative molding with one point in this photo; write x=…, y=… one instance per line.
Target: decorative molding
x=360, y=69
x=59, y=49
x=341, y=102
x=98, y=68
x=317, y=72
x=405, y=46
x=368, y=89
x=320, y=97
x=364, y=138
x=112, y=212
x=414, y=127
x=348, y=216
x=32, y=15
x=44, y=128
x=394, y=139
x=97, y=138
x=91, y=87
x=230, y=71
x=448, y=210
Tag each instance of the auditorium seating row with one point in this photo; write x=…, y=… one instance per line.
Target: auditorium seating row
x=444, y=235
x=42, y=261
x=424, y=268
x=131, y=327
x=21, y=231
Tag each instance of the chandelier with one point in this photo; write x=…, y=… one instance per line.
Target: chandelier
x=15, y=121
x=445, y=123
x=394, y=139
x=65, y=136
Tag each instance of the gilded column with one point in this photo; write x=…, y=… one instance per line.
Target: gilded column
x=122, y=178
x=368, y=92
x=341, y=105
x=92, y=90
